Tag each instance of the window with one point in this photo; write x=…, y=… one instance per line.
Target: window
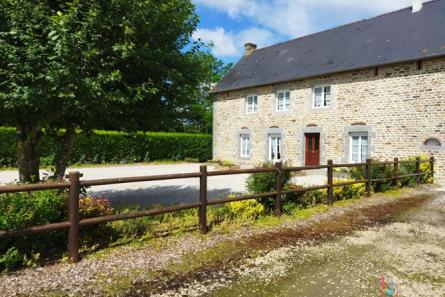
x=252, y=104
x=244, y=145
x=433, y=142
x=358, y=147
x=275, y=148
x=283, y=100
x=322, y=96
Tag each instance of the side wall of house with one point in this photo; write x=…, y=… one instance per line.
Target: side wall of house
x=400, y=107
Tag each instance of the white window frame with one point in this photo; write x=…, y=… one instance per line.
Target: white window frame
x=323, y=96
x=286, y=101
x=254, y=108
x=279, y=146
x=244, y=147
x=360, y=135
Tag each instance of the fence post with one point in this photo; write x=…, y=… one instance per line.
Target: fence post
x=73, y=217
x=330, y=182
x=368, y=177
x=203, y=199
x=396, y=172
x=418, y=170
x=432, y=168
x=278, y=188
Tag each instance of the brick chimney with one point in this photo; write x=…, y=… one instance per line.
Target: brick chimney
x=417, y=5
x=249, y=48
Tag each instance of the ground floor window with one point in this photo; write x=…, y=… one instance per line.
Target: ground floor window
x=245, y=146
x=358, y=147
x=275, y=148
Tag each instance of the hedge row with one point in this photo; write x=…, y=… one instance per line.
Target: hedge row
x=115, y=147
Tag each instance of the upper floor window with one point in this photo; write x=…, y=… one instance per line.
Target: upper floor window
x=321, y=96
x=283, y=100
x=245, y=145
x=252, y=104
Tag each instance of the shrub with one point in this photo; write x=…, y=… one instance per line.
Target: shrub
x=349, y=191
x=133, y=228
x=246, y=210
x=265, y=182
x=90, y=207
x=311, y=198
x=377, y=171
x=410, y=168
x=386, y=171
x=23, y=210
x=115, y=147
x=96, y=235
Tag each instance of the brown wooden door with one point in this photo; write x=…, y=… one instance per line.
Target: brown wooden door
x=312, y=154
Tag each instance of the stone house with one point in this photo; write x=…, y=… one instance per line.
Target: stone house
x=370, y=89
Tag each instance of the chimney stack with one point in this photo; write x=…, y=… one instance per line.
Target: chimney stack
x=249, y=48
x=417, y=5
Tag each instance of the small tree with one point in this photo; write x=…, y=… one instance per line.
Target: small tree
x=83, y=64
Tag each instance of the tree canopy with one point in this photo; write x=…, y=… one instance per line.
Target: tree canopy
x=126, y=64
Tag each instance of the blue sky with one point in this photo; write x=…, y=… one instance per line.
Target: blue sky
x=228, y=24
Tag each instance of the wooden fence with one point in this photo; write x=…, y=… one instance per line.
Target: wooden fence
x=74, y=184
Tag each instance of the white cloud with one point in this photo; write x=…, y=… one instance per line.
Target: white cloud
x=293, y=18
x=277, y=20
x=223, y=43
x=229, y=44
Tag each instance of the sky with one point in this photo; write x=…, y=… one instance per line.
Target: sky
x=228, y=24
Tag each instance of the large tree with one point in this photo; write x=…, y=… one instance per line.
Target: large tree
x=80, y=64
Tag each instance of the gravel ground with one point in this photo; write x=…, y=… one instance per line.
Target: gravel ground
x=152, y=193
x=87, y=277
x=161, y=192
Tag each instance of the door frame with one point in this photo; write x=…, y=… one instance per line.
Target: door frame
x=306, y=137
x=312, y=128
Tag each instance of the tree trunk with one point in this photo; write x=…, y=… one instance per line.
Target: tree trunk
x=65, y=151
x=28, y=144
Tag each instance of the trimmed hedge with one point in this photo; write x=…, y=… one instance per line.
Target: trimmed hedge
x=115, y=147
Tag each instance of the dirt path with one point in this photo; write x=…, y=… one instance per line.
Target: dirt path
x=301, y=258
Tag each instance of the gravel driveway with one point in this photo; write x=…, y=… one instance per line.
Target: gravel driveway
x=165, y=192
x=152, y=193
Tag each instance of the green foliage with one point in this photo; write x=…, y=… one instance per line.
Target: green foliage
x=8, y=150
x=134, y=228
x=95, y=62
x=409, y=168
x=127, y=65
x=116, y=147
x=348, y=192
x=23, y=210
x=387, y=171
x=92, y=237
x=245, y=210
x=303, y=200
x=265, y=182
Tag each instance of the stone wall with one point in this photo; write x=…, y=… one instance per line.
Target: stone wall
x=400, y=106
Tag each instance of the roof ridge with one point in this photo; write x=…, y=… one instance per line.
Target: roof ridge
x=340, y=26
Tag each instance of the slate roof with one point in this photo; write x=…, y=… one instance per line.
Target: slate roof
x=390, y=38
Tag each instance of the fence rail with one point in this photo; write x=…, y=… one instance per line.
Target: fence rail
x=74, y=184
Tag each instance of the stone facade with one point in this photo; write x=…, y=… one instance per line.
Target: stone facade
x=398, y=106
